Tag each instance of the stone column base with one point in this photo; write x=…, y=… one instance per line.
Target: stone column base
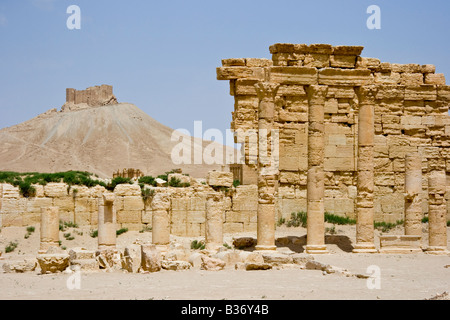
x=365, y=248
x=316, y=249
x=437, y=250
x=265, y=248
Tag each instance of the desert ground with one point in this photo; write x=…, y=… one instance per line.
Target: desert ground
x=402, y=276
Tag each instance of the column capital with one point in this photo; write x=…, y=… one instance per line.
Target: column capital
x=266, y=90
x=367, y=94
x=317, y=94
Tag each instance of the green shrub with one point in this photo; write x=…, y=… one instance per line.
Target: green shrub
x=147, y=194
x=146, y=229
x=386, y=226
x=118, y=180
x=11, y=247
x=236, y=183
x=26, y=189
x=94, y=233
x=297, y=219
x=31, y=229
x=281, y=221
x=174, y=182
x=197, y=245
x=148, y=180
x=120, y=231
x=334, y=219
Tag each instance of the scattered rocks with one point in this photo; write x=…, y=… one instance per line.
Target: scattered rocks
x=175, y=265
x=20, y=266
x=212, y=264
x=109, y=259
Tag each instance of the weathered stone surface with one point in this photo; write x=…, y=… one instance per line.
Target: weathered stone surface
x=212, y=264
x=175, y=265
x=53, y=262
x=20, y=266
x=150, y=258
x=277, y=259
x=109, y=259
x=220, y=179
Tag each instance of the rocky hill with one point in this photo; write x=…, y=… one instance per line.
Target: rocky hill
x=100, y=139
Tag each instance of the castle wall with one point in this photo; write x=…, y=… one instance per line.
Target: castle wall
x=411, y=115
x=92, y=96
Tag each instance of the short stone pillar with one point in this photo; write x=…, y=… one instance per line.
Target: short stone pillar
x=160, y=219
x=365, y=166
x=268, y=165
x=214, y=220
x=437, y=209
x=413, y=189
x=106, y=222
x=315, y=239
x=49, y=228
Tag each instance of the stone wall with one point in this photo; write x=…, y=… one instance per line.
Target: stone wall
x=92, y=96
x=79, y=204
x=411, y=115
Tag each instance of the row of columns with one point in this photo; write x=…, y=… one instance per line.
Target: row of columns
x=267, y=182
x=107, y=226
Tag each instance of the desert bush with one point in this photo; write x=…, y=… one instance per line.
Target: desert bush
x=120, y=231
x=11, y=247
x=197, y=245
x=148, y=180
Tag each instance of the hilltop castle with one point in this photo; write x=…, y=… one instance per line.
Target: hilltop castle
x=92, y=96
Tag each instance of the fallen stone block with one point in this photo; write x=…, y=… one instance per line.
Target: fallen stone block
x=53, y=263
x=316, y=265
x=22, y=266
x=81, y=259
x=109, y=259
x=276, y=259
x=220, y=179
x=400, y=244
x=175, y=265
x=132, y=258
x=244, y=242
x=150, y=258
x=249, y=266
x=212, y=264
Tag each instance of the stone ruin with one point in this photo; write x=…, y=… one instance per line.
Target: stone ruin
x=91, y=97
x=346, y=126
x=128, y=173
x=357, y=137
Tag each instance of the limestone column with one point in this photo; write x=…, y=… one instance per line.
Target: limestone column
x=49, y=228
x=214, y=220
x=106, y=222
x=437, y=209
x=365, y=166
x=413, y=188
x=267, y=167
x=160, y=219
x=315, y=239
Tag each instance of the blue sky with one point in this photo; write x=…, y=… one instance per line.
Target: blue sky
x=162, y=55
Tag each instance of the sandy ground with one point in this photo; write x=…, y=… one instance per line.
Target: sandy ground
x=408, y=276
